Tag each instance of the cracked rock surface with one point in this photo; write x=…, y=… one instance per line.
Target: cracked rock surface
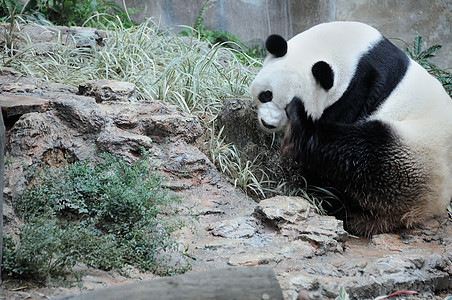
x=309, y=253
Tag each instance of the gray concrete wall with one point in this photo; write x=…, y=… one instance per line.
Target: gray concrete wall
x=404, y=19
x=253, y=20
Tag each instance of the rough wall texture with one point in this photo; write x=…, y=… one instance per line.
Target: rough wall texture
x=403, y=19
x=253, y=20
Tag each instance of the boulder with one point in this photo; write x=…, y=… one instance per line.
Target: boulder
x=295, y=218
x=52, y=118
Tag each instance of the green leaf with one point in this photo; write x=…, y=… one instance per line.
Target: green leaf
x=429, y=53
x=417, y=46
x=343, y=295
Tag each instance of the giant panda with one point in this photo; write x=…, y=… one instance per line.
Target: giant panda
x=363, y=119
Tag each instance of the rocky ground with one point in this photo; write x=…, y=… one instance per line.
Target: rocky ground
x=309, y=253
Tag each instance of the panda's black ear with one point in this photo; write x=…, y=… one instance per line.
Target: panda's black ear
x=323, y=74
x=276, y=45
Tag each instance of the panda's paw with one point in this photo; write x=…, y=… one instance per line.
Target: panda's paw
x=294, y=109
x=296, y=113
x=296, y=130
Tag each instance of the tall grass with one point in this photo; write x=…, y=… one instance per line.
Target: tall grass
x=245, y=173
x=193, y=75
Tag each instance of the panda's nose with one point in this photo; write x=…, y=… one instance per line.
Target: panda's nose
x=265, y=97
x=266, y=125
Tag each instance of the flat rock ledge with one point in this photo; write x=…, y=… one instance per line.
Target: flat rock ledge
x=311, y=255
x=108, y=90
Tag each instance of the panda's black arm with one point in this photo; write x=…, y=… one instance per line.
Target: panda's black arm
x=364, y=160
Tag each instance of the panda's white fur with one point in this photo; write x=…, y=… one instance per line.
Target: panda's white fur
x=417, y=110
x=339, y=43
x=420, y=112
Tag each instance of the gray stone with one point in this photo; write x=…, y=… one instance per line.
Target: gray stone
x=14, y=82
x=84, y=37
x=241, y=227
x=284, y=209
x=17, y=105
x=47, y=117
x=125, y=115
x=255, y=258
x=127, y=144
x=44, y=37
x=185, y=161
x=295, y=250
x=294, y=217
x=28, y=131
x=172, y=125
x=222, y=245
x=108, y=90
x=80, y=113
x=304, y=281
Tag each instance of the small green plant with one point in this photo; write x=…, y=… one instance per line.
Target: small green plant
x=423, y=57
x=106, y=215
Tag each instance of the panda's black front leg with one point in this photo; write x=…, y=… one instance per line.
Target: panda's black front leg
x=299, y=131
x=365, y=161
x=301, y=136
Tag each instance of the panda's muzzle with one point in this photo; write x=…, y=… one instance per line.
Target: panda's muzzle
x=266, y=125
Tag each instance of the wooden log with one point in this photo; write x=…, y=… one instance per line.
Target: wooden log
x=241, y=283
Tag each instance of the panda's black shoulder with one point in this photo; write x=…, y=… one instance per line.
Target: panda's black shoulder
x=378, y=72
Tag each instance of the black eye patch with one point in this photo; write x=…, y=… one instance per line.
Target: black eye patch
x=265, y=97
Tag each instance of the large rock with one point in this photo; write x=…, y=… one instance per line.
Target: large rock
x=44, y=118
x=295, y=218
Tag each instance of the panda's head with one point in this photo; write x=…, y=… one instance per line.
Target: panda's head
x=314, y=66
x=282, y=78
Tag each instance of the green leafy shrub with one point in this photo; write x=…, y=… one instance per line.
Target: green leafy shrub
x=68, y=13
x=106, y=215
x=423, y=57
